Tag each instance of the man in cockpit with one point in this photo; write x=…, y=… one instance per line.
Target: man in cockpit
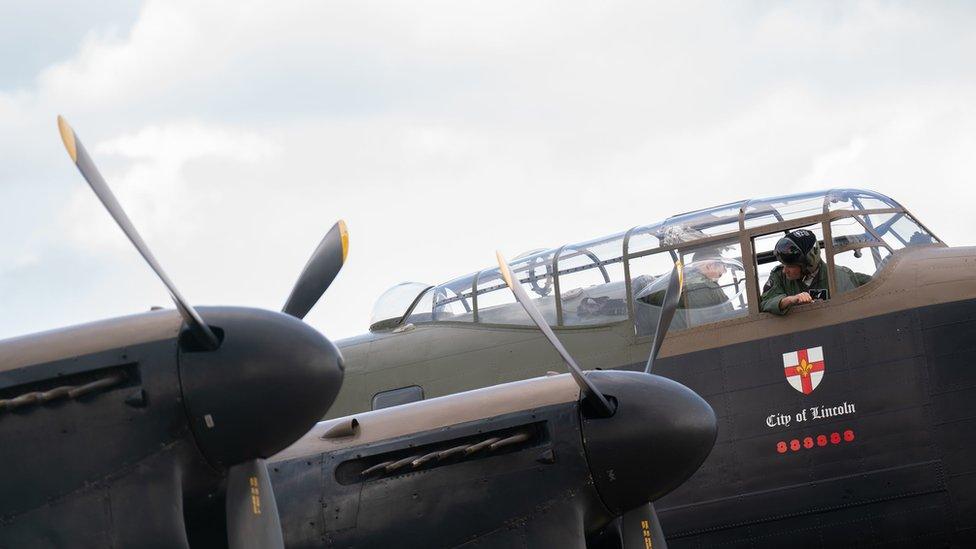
x=701, y=280
x=801, y=276
x=702, y=294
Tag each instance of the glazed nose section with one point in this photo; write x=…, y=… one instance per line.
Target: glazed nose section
x=659, y=435
x=272, y=378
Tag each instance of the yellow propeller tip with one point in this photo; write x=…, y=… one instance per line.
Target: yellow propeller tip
x=503, y=268
x=68, y=136
x=344, y=235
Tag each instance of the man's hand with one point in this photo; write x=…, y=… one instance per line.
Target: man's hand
x=791, y=300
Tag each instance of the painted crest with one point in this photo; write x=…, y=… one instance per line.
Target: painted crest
x=804, y=369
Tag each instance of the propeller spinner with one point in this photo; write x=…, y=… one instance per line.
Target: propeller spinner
x=644, y=434
x=253, y=381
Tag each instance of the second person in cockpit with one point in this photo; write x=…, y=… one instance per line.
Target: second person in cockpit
x=801, y=276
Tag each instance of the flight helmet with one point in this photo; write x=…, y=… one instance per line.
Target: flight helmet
x=798, y=247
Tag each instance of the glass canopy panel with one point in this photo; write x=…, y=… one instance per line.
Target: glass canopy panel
x=856, y=199
x=497, y=305
x=393, y=304
x=855, y=246
x=909, y=230
x=849, y=232
x=452, y=300
x=644, y=238
x=423, y=311
x=899, y=230
x=591, y=282
x=702, y=223
x=783, y=208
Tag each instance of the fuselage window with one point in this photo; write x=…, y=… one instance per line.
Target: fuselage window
x=396, y=397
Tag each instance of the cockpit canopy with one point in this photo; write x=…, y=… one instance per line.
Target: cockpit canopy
x=389, y=308
x=614, y=278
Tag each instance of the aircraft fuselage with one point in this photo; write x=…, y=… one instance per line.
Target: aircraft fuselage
x=870, y=442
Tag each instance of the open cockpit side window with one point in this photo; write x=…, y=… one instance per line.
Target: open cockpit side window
x=776, y=282
x=855, y=251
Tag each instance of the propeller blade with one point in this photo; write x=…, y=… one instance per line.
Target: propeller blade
x=252, y=515
x=590, y=392
x=319, y=272
x=668, y=306
x=201, y=332
x=641, y=529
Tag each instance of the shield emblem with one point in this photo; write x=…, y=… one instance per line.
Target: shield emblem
x=804, y=369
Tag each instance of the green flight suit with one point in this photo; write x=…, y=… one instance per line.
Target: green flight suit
x=701, y=291
x=778, y=286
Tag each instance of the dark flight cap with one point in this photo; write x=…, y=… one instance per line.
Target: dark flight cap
x=795, y=247
x=803, y=238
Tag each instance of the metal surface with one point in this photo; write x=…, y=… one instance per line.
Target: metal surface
x=266, y=386
x=428, y=415
x=905, y=474
x=661, y=433
x=523, y=476
x=84, y=339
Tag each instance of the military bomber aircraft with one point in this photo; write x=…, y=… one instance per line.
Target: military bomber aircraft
x=846, y=422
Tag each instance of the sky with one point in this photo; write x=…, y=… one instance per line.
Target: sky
x=236, y=133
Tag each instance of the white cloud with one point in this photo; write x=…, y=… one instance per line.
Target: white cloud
x=153, y=185
x=236, y=133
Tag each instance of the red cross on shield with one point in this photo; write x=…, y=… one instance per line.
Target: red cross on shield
x=804, y=369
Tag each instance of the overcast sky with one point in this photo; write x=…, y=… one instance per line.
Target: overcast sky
x=235, y=133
